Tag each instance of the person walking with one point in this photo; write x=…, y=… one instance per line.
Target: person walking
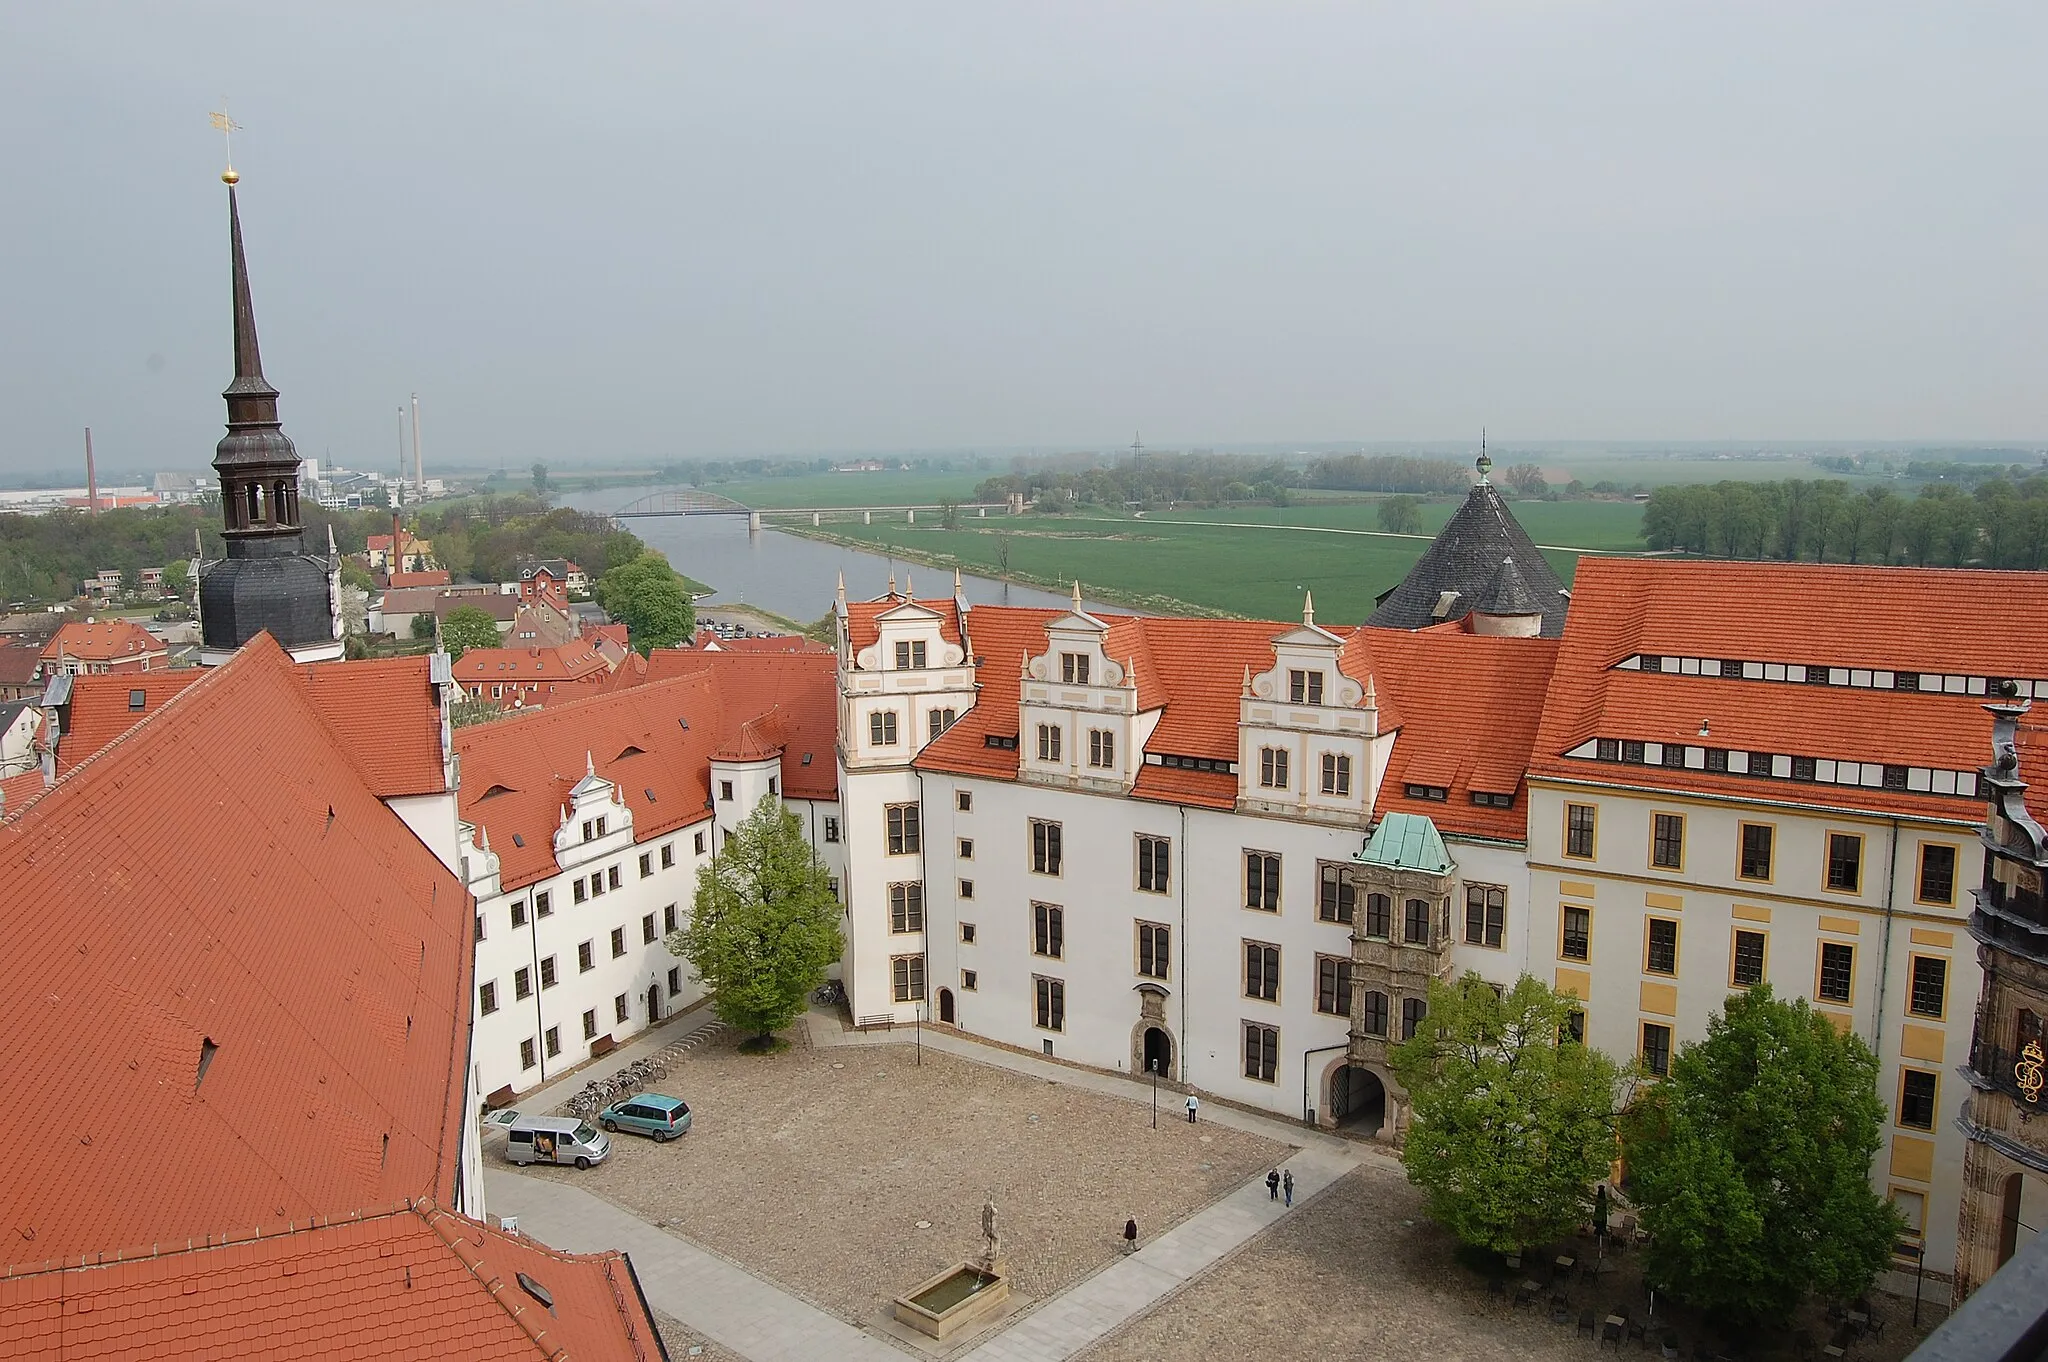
x=1273, y=1185
x=1194, y=1105
x=1131, y=1236
x=1287, y=1185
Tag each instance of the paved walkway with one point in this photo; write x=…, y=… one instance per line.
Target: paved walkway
x=738, y=1310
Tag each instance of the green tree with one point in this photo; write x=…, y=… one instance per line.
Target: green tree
x=1751, y=1163
x=467, y=627
x=540, y=479
x=423, y=624
x=352, y=574
x=764, y=926
x=1513, y=1125
x=1401, y=515
x=1526, y=479
x=646, y=594
x=177, y=577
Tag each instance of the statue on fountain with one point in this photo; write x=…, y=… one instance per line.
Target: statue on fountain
x=988, y=1233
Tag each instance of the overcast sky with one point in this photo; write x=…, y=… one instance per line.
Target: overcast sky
x=637, y=231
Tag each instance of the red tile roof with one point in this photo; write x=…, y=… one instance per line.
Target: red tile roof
x=388, y=713
x=102, y=708
x=400, y=1281
x=774, y=643
x=158, y=896
x=861, y=617
x=1905, y=619
x=18, y=662
x=398, y=581
x=101, y=641
x=570, y=662
x=16, y=791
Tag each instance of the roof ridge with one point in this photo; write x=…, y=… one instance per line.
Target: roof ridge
x=493, y=1284
x=225, y=1239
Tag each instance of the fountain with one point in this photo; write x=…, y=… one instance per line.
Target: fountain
x=965, y=1295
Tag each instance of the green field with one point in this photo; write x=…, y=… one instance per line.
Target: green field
x=1258, y=572
x=851, y=489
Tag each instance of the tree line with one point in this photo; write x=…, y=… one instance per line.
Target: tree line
x=1148, y=480
x=2003, y=523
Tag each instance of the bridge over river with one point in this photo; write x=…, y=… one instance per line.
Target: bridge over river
x=695, y=501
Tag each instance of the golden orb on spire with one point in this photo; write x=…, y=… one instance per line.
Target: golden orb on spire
x=230, y=176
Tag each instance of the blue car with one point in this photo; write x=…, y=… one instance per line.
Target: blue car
x=648, y=1113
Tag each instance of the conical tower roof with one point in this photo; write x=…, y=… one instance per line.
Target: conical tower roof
x=1461, y=566
x=1508, y=593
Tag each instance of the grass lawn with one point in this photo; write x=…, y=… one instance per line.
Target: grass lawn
x=1579, y=524
x=852, y=489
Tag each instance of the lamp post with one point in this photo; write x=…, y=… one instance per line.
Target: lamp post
x=1154, y=1066
x=920, y=1032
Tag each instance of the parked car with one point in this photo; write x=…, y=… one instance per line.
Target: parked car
x=648, y=1113
x=554, y=1139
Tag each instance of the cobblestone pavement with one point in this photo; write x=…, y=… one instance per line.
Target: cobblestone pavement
x=1359, y=1273
x=847, y=1175
x=684, y=1344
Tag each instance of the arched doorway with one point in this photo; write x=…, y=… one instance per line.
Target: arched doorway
x=1358, y=1100
x=1158, y=1054
x=946, y=1006
x=653, y=1003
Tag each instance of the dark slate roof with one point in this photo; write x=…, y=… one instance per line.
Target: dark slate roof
x=1508, y=593
x=1466, y=557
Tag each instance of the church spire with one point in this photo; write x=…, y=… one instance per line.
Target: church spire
x=249, y=378
x=258, y=466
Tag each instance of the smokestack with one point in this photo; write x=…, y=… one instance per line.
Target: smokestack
x=92, y=482
x=397, y=563
x=419, y=467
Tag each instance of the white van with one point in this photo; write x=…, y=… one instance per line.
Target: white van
x=555, y=1139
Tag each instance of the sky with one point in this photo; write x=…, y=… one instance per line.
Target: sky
x=633, y=232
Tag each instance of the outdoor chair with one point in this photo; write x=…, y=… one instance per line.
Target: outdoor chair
x=1639, y=1330
x=1586, y=1325
x=1496, y=1288
x=1670, y=1347
x=1526, y=1294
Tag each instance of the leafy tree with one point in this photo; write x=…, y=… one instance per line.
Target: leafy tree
x=1514, y=1123
x=473, y=710
x=1526, y=479
x=467, y=627
x=423, y=624
x=540, y=479
x=647, y=595
x=177, y=577
x=1401, y=515
x=1751, y=1163
x=764, y=926
x=352, y=574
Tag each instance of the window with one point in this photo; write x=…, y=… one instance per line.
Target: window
x=590, y=1025
x=1049, y=742
x=554, y=1040
x=966, y=848
x=1667, y=841
x=1929, y=996
x=1155, y=856
x=1660, y=951
x=1379, y=916
x=1045, y=847
x=1491, y=801
x=1657, y=1048
x=832, y=885
x=1262, y=971
x=1758, y=840
x=963, y=800
x=910, y=656
x=621, y=1009
x=675, y=980
x=1574, y=1028
x=586, y=829
x=668, y=855
x=646, y=864
x=578, y=891
x=967, y=933
x=612, y=876
x=906, y=978
x=1273, y=768
x=905, y=836
x=547, y=972
x=1486, y=915
x=1845, y=862
x=1262, y=881
x=1372, y=1013
x=967, y=889
x=487, y=997
x=1415, y=922
x=1336, y=896
x=700, y=844
x=725, y=791
x=519, y=913
x=522, y=982
x=939, y=720
x=1074, y=669
x=969, y=980
x=1102, y=747
x=1912, y=1207
x=1575, y=942
x=882, y=728
x=618, y=942
x=1304, y=688
x=526, y=1059
x=1336, y=774
x=1916, y=1099
x=543, y=903
x=1632, y=752
x=1413, y=1010
x=647, y=929
x=668, y=921
x=1261, y=1051
x=906, y=907
x=1746, y=968
x=1050, y=999
x=1048, y=930
x=1937, y=873
x=1837, y=972
x=586, y=958
x=1155, y=949
x=831, y=827
x=1333, y=985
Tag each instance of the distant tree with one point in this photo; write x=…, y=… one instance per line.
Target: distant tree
x=540, y=479
x=177, y=577
x=471, y=709
x=1401, y=515
x=949, y=514
x=765, y=924
x=1526, y=479
x=467, y=627
x=1514, y=1123
x=423, y=624
x=1751, y=1163
x=646, y=594
x=352, y=574
x=452, y=550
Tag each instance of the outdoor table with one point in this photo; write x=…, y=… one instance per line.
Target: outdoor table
x=1859, y=1320
x=1564, y=1263
x=1616, y=1329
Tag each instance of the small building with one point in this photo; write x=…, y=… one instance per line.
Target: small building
x=152, y=579
x=20, y=667
x=552, y=579
x=101, y=646
x=106, y=582
x=532, y=676
x=20, y=721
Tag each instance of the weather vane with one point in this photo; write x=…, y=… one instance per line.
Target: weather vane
x=228, y=128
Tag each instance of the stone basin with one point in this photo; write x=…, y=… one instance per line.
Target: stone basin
x=962, y=1296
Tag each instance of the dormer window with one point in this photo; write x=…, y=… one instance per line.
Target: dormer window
x=1304, y=688
x=1074, y=669
x=910, y=656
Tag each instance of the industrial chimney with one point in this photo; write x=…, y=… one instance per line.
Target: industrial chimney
x=419, y=467
x=92, y=482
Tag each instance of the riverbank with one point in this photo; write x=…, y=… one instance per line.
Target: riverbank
x=1148, y=602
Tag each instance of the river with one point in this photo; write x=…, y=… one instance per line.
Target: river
x=789, y=574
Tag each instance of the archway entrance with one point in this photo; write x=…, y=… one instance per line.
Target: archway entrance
x=1358, y=1100
x=946, y=1006
x=1158, y=1056
x=653, y=1003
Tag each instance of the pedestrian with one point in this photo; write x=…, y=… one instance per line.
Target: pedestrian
x=1287, y=1185
x=1273, y=1185
x=1194, y=1105
x=1131, y=1236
